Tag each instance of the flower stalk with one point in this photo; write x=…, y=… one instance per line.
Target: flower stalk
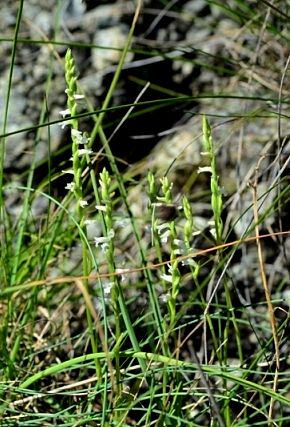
x=76, y=186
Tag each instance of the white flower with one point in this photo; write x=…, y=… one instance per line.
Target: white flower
x=166, y=278
x=102, y=208
x=213, y=232
x=105, y=247
x=165, y=297
x=100, y=240
x=204, y=169
x=164, y=231
x=178, y=242
x=164, y=236
x=188, y=261
x=83, y=203
x=64, y=113
x=161, y=227
x=78, y=96
x=178, y=251
x=122, y=272
x=64, y=124
x=107, y=288
x=77, y=133
x=83, y=151
x=70, y=171
x=111, y=234
x=157, y=204
x=104, y=241
x=70, y=186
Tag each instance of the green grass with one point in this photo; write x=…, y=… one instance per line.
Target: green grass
x=110, y=317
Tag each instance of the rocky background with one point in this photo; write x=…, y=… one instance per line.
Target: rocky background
x=196, y=49
x=225, y=59
x=187, y=48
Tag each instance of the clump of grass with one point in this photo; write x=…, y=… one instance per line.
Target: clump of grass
x=79, y=150
x=164, y=339
x=216, y=194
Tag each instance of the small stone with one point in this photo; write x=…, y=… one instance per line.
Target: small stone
x=113, y=40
